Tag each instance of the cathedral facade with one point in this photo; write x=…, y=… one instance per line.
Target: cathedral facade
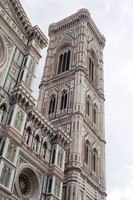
x=54, y=148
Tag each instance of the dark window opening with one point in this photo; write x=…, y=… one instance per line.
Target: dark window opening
x=63, y=101
x=94, y=115
x=88, y=108
x=52, y=105
x=91, y=70
x=50, y=185
x=53, y=156
x=64, y=62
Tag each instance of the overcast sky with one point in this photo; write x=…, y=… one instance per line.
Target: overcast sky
x=114, y=18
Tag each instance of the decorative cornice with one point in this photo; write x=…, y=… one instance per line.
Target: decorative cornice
x=81, y=15
x=28, y=30
x=21, y=96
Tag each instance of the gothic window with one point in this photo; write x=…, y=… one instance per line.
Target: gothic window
x=63, y=100
x=52, y=105
x=88, y=107
x=87, y=152
x=64, y=61
x=94, y=160
x=25, y=184
x=50, y=185
x=91, y=70
x=53, y=156
x=94, y=114
x=35, y=143
x=60, y=158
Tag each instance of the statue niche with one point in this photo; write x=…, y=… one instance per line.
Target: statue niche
x=18, y=120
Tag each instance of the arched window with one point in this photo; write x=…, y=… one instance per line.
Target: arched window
x=60, y=63
x=52, y=105
x=50, y=185
x=94, y=115
x=91, y=70
x=68, y=61
x=94, y=160
x=53, y=156
x=63, y=100
x=60, y=158
x=88, y=107
x=87, y=152
x=64, y=62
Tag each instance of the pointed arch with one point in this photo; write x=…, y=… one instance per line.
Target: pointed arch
x=94, y=160
x=53, y=156
x=87, y=152
x=94, y=114
x=52, y=104
x=64, y=58
x=64, y=97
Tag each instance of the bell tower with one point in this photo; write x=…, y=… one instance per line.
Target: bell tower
x=72, y=96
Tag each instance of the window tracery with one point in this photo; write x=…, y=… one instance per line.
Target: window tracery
x=64, y=61
x=64, y=100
